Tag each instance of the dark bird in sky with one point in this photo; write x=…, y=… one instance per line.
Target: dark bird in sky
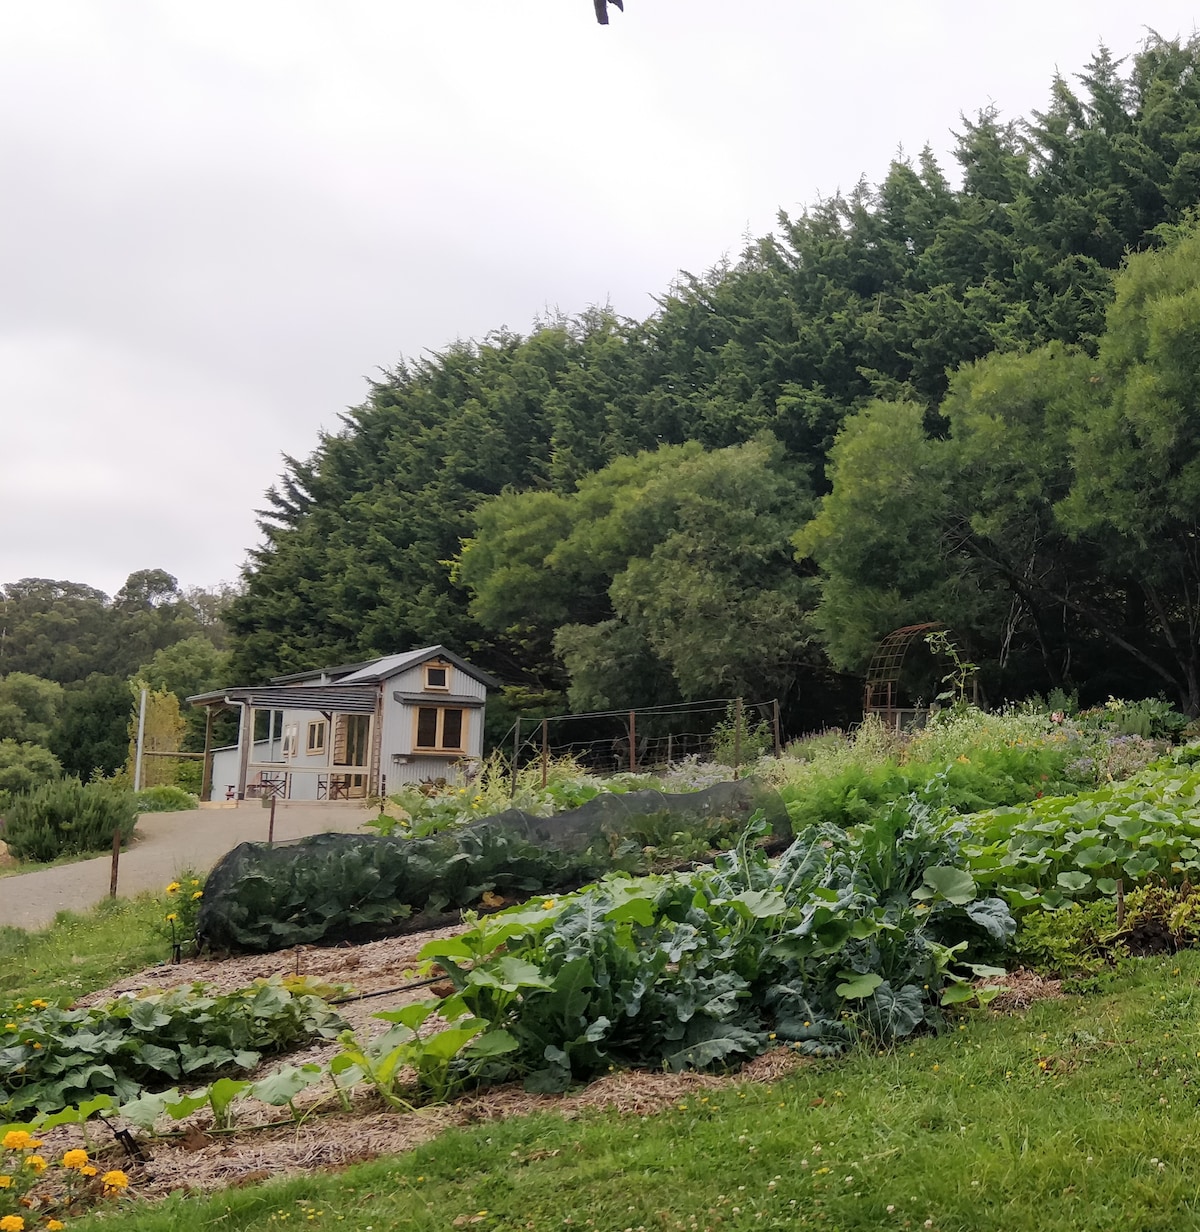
x=602, y=9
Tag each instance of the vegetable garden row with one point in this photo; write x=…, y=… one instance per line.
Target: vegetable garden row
x=907, y=875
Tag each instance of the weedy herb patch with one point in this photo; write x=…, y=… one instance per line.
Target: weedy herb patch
x=52, y=1058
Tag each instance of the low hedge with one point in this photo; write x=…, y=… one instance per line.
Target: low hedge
x=68, y=818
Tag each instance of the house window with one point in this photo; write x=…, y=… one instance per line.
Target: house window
x=316, y=736
x=437, y=676
x=440, y=728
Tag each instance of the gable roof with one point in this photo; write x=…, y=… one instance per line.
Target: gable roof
x=393, y=665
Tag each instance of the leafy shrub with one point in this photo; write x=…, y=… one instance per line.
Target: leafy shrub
x=1076, y=940
x=68, y=818
x=741, y=741
x=165, y=799
x=24, y=767
x=1152, y=718
x=52, y=1058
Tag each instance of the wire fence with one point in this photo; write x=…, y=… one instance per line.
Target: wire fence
x=729, y=730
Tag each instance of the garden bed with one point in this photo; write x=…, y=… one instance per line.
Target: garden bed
x=267, y=1143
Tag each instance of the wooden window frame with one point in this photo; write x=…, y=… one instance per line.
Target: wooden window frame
x=440, y=747
x=316, y=726
x=437, y=667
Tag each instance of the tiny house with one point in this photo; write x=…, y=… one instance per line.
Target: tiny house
x=348, y=732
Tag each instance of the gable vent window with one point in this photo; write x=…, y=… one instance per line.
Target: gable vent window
x=437, y=677
x=440, y=729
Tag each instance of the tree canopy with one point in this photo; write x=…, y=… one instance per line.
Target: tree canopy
x=943, y=364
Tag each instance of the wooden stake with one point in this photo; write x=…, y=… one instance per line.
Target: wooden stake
x=545, y=752
x=633, y=742
x=775, y=725
x=116, y=859
x=271, y=825
x=737, y=739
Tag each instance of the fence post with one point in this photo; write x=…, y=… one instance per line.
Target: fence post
x=633, y=742
x=670, y=749
x=141, y=738
x=737, y=739
x=116, y=858
x=271, y=825
x=545, y=752
x=775, y=725
x=512, y=795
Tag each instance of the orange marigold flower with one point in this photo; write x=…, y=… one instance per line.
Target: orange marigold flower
x=54, y=1225
x=87, y=1170
x=75, y=1159
x=12, y=1223
x=36, y=1162
x=16, y=1140
x=116, y=1179
x=5, y=1182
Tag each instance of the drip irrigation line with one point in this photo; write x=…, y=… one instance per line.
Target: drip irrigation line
x=384, y=992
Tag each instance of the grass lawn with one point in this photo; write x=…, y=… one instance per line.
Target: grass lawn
x=1079, y=1114
x=80, y=953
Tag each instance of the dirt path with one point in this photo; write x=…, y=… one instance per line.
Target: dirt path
x=164, y=843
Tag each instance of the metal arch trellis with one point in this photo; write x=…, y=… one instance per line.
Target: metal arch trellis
x=883, y=673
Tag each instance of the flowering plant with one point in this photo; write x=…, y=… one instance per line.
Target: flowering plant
x=180, y=906
x=38, y=1192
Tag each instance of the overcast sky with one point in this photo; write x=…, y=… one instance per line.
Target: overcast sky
x=218, y=218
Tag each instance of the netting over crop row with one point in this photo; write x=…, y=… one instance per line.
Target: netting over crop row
x=355, y=887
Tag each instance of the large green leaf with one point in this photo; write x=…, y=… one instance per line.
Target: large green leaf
x=955, y=885
x=855, y=986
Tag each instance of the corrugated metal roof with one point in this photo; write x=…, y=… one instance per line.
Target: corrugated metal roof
x=344, y=699
x=393, y=665
x=438, y=699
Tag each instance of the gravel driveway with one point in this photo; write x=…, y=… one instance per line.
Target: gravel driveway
x=164, y=843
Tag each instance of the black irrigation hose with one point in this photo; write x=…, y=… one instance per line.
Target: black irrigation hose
x=384, y=992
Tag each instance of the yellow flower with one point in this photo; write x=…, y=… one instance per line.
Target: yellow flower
x=38, y=1004
x=16, y=1140
x=75, y=1159
x=173, y=888
x=115, y=1179
x=549, y=905
x=198, y=894
x=36, y=1046
x=172, y=917
x=36, y=1162
x=12, y=1223
x=87, y=1170
x=55, y=1225
x=195, y=882
x=10, y=1026
x=5, y=1182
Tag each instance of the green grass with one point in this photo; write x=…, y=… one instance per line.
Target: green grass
x=80, y=953
x=36, y=866
x=1078, y=1115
